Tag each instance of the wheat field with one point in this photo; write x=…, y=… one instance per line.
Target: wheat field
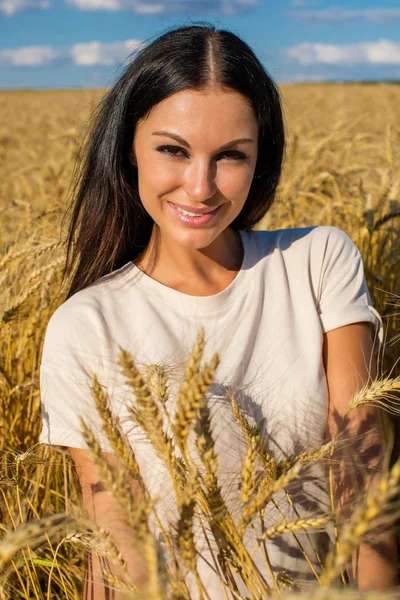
x=342, y=168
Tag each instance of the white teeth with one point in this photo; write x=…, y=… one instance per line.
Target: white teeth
x=190, y=214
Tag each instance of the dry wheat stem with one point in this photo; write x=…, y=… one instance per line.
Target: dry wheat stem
x=266, y=557
x=153, y=589
x=32, y=534
x=317, y=556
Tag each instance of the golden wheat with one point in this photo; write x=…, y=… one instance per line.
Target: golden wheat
x=342, y=168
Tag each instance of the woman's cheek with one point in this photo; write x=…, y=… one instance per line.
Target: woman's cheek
x=236, y=186
x=164, y=178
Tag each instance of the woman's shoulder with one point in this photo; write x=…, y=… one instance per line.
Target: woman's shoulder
x=325, y=239
x=77, y=310
x=80, y=320
x=294, y=234
x=90, y=299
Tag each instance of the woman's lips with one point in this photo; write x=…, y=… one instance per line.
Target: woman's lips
x=193, y=221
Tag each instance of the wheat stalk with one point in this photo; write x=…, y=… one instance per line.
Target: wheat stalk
x=12, y=310
x=32, y=533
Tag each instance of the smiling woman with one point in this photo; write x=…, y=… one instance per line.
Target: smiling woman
x=195, y=190
x=183, y=160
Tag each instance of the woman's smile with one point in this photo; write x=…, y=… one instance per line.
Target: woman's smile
x=192, y=219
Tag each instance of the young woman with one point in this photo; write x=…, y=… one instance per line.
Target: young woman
x=183, y=159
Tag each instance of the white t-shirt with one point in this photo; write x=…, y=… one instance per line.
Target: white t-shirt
x=267, y=327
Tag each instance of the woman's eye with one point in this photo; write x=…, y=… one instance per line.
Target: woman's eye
x=172, y=150
x=234, y=154
x=176, y=151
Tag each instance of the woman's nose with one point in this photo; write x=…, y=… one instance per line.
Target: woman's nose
x=199, y=181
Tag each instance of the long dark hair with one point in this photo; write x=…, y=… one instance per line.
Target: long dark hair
x=109, y=225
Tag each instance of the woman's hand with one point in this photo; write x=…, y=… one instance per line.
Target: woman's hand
x=349, y=365
x=375, y=566
x=106, y=511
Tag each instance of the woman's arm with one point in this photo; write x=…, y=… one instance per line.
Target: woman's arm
x=349, y=364
x=105, y=510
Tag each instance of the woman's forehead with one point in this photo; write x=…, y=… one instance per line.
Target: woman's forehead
x=189, y=112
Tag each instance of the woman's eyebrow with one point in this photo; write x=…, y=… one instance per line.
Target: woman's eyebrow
x=178, y=138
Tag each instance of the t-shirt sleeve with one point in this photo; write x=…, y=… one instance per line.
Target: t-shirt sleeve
x=71, y=355
x=343, y=295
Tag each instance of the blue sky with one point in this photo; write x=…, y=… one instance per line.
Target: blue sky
x=82, y=43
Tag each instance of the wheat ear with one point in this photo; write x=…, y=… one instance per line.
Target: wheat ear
x=12, y=310
x=292, y=526
x=214, y=507
x=383, y=393
x=190, y=392
x=185, y=536
x=248, y=482
x=266, y=490
x=32, y=533
x=30, y=256
x=148, y=416
x=111, y=428
x=272, y=469
x=286, y=582
x=136, y=513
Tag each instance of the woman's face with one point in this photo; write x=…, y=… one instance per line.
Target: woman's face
x=198, y=170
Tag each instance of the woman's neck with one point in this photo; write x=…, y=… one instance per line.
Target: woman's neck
x=196, y=272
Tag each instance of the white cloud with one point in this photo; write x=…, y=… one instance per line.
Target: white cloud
x=144, y=7
x=303, y=3
x=149, y=9
x=380, y=52
x=97, y=53
x=29, y=56
x=10, y=7
x=95, y=4
x=226, y=7
x=339, y=15
x=90, y=53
